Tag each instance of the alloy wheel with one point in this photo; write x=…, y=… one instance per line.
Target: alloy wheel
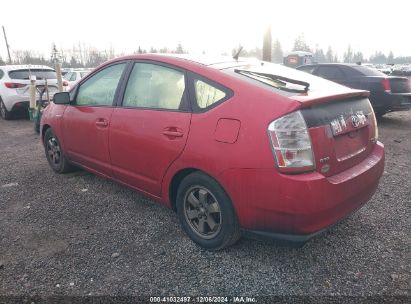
x=53, y=151
x=202, y=212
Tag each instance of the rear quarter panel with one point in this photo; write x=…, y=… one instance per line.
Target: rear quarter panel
x=254, y=108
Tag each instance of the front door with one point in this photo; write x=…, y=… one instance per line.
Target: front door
x=86, y=122
x=149, y=131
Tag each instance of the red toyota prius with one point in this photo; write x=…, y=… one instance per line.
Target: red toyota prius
x=235, y=147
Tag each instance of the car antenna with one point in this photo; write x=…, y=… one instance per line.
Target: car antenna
x=240, y=48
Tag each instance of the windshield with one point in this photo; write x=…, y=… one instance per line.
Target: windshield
x=40, y=74
x=283, y=80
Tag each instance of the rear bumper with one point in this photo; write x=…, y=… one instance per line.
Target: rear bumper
x=297, y=207
x=390, y=102
x=11, y=101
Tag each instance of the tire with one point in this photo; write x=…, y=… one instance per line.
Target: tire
x=37, y=122
x=6, y=115
x=55, y=154
x=206, y=213
x=380, y=114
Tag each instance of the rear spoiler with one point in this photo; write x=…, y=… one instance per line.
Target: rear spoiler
x=313, y=98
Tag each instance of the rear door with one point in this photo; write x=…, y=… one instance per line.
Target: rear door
x=149, y=131
x=86, y=121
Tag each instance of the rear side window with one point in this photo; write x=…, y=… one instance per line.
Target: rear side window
x=1, y=74
x=71, y=76
x=154, y=86
x=40, y=74
x=99, y=90
x=206, y=94
x=363, y=70
x=330, y=72
x=67, y=76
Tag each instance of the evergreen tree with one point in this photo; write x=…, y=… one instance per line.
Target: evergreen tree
x=319, y=55
x=277, y=55
x=348, y=55
x=300, y=44
x=390, y=58
x=357, y=57
x=179, y=49
x=329, y=56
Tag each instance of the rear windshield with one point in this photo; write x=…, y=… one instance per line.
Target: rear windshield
x=252, y=72
x=366, y=71
x=40, y=74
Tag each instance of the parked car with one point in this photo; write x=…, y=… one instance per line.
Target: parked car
x=74, y=76
x=388, y=93
x=233, y=146
x=15, y=89
x=404, y=70
x=384, y=68
x=297, y=58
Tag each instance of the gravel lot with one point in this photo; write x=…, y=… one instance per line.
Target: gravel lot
x=79, y=234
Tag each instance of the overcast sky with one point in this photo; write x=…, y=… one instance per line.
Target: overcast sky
x=213, y=26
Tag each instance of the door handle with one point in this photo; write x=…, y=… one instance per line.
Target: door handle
x=101, y=122
x=172, y=133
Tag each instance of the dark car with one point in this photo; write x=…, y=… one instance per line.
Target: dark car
x=402, y=71
x=231, y=146
x=387, y=93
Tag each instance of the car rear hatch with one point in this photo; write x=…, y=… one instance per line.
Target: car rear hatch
x=20, y=81
x=342, y=128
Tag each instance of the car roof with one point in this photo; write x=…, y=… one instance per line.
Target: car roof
x=217, y=62
x=24, y=67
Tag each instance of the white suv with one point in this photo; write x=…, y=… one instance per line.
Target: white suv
x=15, y=86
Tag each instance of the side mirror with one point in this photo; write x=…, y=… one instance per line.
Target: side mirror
x=61, y=98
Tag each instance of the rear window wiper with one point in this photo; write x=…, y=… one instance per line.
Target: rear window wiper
x=281, y=80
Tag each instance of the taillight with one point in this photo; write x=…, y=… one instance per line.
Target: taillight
x=291, y=143
x=374, y=138
x=65, y=83
x=13, y=85
x=386, y=85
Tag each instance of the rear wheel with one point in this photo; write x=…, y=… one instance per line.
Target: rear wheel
x=55, y=154
x=3, y=111
x=206, y=213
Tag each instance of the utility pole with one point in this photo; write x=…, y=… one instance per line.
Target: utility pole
x=7, y=45
x=267, y=45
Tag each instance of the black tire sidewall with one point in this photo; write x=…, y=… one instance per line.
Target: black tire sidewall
x=57, y=168
x=229, y=228
x=7, y=114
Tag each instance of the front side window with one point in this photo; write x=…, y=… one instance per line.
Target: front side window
x=154, y=86
x=206, y=94
x=100, y=88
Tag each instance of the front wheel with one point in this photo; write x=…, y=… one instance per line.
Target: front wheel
x=206, y=213
x=55, y=154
